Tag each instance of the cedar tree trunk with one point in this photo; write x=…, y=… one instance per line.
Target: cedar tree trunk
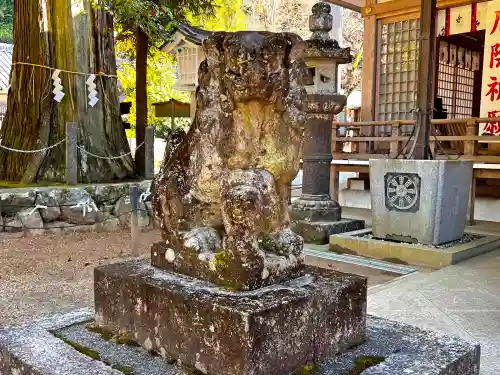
x=70, y=35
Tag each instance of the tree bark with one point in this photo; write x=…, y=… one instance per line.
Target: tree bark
x=69, y=35
x=141, y=97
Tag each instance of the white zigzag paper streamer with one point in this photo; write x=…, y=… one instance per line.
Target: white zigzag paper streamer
x=91, y=86
x=58, y=88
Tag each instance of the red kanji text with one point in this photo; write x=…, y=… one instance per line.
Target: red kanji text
x=497, y=20
x=493, y=127
x=494, y=91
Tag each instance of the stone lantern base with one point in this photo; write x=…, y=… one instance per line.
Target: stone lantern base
x=316, y=218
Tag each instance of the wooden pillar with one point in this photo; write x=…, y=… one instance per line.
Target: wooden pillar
x=336, y=146
x=369, y=89
x=427, y=54
x=470, y=146
x=141, y=97
x=334, y=182
x=395, y=145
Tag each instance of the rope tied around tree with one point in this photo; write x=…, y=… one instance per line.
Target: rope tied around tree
x=32, y=151
x=100, y=74
x=79, y=147
x=110, y=157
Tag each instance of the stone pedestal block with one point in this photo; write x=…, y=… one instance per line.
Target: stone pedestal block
x=269, y=331
x=224, y=270
x=423, y=201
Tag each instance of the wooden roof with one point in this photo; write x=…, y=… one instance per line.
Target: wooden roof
x=183, y=33
x=355, y=5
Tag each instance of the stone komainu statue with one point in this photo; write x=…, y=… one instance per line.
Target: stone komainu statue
x=221, y=196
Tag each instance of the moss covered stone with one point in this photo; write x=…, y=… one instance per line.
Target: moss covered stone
x=105, y=334
x=233, y=323
x=231, y=172
x=80, y=348
x=122, y=340
x=124, y=369
x=308, y=369
x=223, y=260
x=363, y=363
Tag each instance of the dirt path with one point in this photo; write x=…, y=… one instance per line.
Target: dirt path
x=47, y=274
x=41, y=275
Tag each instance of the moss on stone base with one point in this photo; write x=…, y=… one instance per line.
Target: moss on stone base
x=110, y=336
x=122, y=340
x=124, y=369
x=363, y=363
x=105, y=334
x=308, y=369
x=80, y=348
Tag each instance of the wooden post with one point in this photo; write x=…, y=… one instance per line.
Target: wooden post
x=369, y=82
x=134, y=224
x=395, y=145
x=71, y=153
x=172, y=116
x=432, y=145
x=470, y=146
x=336, y=146
x=149, y=168
x=427, y=57
x=141, y=96
x=334, y=183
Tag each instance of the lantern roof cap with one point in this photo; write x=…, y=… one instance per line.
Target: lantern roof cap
x=321, y=45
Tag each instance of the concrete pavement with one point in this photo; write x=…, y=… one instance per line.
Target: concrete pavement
x=462, y=300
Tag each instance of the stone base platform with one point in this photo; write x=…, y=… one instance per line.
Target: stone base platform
x=361, y=243
x=319, y=232
x=67, y=345
x=269, y=331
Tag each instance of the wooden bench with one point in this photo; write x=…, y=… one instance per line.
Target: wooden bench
x=481, y=171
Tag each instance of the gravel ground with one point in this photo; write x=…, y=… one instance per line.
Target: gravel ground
x=54, y=273
x=42, y=275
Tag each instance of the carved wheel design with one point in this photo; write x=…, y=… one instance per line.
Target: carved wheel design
x=402, y=192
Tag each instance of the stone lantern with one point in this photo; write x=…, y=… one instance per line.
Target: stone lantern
x=315, y=215
x=186, y=47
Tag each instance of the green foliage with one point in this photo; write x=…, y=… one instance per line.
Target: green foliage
x=161, y=80
x=228, y=15
x=6, y=20
x=358, y=59
x=155, y=17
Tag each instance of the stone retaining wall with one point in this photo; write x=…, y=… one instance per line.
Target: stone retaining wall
x=100, y=207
